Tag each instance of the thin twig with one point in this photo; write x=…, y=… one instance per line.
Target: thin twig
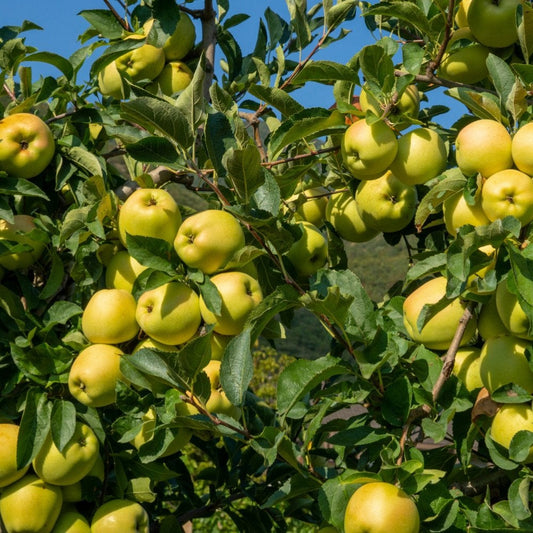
x=433, y=65
x=10, y=93
x=122, y=22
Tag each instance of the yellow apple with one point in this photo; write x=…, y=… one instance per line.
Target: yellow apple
x=511, y=313
x=30, y=505
x=438, y=332
x=125, y=516
x=218, y=402
x=342, y=213
x=26, y=145
x=467, y=367
x=208, y=239
x=174, y=77
x=521, y=148
x=493, y=22
x=489, y=321
x=421, y=156
x=457, y=212
x=122, y=271
x=386, y=204
x=179, y=44
x=8, y=458
x=94, y=374
x=503, y=361
x=143, y=63
x=110, y=82
x=109, y=317
x=240, y=294
x=313, y=207
x=508, y=421
x=169, y=313
x=379, y=507
x=218, y=345
x=71, y=522
x=508, y=193
x=74, y=491
x=368, y=149
x=309, y=252
x=461, y=14
x=20, y=233
x=149, y=212
x=483, y=146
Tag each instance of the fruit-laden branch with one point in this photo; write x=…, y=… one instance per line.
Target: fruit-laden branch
x=124, y=23
x=435, y=63
x=431, y=79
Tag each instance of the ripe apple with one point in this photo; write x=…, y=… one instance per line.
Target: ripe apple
x=94, y=374
x=386, y=204
x=489, y=322
x=309, y=252
x=125, y=516
x=521, y=148
x=457, y=212
x=508, y=193
x=109, y=317
x=483, y=146
x=169, y=313
x=8, y=458
x=110, y=82
x=71, y=522
x=122, y=271
x=174, y=77
x=179, y=44
x=461, y=14
x=218, y=402
x=74, y=491
x=421, y=156
x=313, y=208
x=143, y=63
x=493, y=22
x=30, y=504
x=342, y=213
x=503, y=361
x=508, y=421
x=218, y=345
x=379, y=507
x=26, y=145
x=150, y=213
x=438, y=332
x=368, y=149
x=511, y=313
x=467, y=367
x=208, y=239
x=20, y=232
x=466, y=64
x=240, y=294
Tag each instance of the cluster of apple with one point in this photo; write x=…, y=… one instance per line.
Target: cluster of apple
x=163, y=67
x=43, y=498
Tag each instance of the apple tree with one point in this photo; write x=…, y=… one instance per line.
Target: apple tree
x=167, y=221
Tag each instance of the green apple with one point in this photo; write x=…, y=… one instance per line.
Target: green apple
x=309, y=252
x=125, y=516
x=379, y=507
x=109, y=317
x=421, y=156
x=466, y=64
x=438, y=332
x=457, y=212
x=467, y=367
x=508, y=421
x=8, y=458
x=342, y=213
x=143, y=63
x=71, y=522
x=368, y=149
x=240, y=294
x=20, y=233
x=169, y=313
x=208, y=239
x=122, y=270
x=386, y=204
x=180, y=43
x=521, y=148
x=503, y=361
x=493, y=22
x=508, y=193
x=26, y=145
x=149, y=212
x=313, y=207
x=461, y=14
x=511, y=313
x=94, y=374
x=110, y=82
x=483, y=146
x=218, y=402
x=489, y=322
x=74, y=491
x=174, y=77
x=72, y=463
x=30, y=505
x=218, y=344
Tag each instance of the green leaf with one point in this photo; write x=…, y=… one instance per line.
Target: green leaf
x=502, y=77
x=104, y=22
x=156, y=150
x=82, y=158
x=267, y=197
x=60, y=312
x=55, y=277
x=276, y=98
x=481, y=104
x=55, y=60
x=21, y=187
x=397, y=401
x=191, y=101
x=210, y=295
x=194, y=356
x=62, y=423
x=340, y=12
x=278, y=29
x=497, y=454
x=244, y=170
x=413, y=57
x=378, y=69
x=326, y=72
x=237, y=369
x=408, y=12
x=151, y=252
x=519, y=497
x=299, y=22
x=219, y=139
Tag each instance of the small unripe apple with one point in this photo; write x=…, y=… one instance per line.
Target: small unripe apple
x=309, y=252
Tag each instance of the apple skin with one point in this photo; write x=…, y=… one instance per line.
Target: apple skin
x=74, y=491
x=218, y=345
x=309, y=252
x=461, y=14
x=94, y=374
x=467, y=367
x=198, y=241
x=143, y=63
x=457, y=213
x=110, y=82
x=27, y=145
x=19, y=231
x=109, y=317
x=180, y=43
x=342, y=213
x=170, y=313
x=421, y=156
x=313, y=208
x=503, y=361
x=508, y=192
x=509, y=420
x=174, y=78
x=30, y=493
x=493, y=23
x=240, y=293
x=122, y=271
x=511, y=313
x=8, y=458
x=483, y=146
x=386, y=204
x=368, y=149
x=218, y=402
x=438, y=332
x=379, y=507
x=71, y=522
x=149, y=212
x=521, y=148
x=125, y=516
x=489, y=322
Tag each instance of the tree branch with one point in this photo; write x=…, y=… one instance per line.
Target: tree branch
x=433, y=65
x=124, y=23
x=209, y=40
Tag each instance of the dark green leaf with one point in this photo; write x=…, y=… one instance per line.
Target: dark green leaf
x=62, y=423
x=151, y=252
x=326, y=71
x=236, y=370
x=104, y=22
x=53, y=59
x=244, y=170
x=22, y=187
x=277, y=98
x=156, y=150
